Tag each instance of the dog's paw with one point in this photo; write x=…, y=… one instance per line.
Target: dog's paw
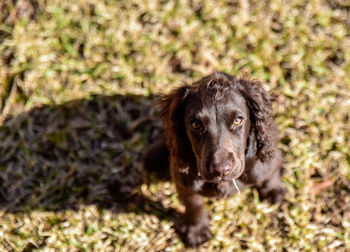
x=194, y=235
x=275, y=195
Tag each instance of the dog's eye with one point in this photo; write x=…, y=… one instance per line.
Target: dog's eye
x=195, y=125
x=237, y=121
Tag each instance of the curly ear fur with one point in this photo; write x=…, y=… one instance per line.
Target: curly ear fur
x=172, y=114
x=259, y=103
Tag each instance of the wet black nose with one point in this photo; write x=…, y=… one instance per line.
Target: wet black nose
x=221, y=169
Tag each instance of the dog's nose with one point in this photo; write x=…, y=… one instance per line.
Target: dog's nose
x=221, y=169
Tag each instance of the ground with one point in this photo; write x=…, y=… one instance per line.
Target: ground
x=77, y=80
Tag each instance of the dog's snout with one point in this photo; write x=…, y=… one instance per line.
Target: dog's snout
x=221, y=169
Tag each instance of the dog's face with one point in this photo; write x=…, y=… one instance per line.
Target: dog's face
x=208, y=123
x=218, y=129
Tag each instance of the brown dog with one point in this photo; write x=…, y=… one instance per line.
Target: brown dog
x=221, y=139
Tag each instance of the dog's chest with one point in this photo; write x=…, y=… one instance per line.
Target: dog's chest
x=222, y=189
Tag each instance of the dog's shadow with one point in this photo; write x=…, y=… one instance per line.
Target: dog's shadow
x=82, y=152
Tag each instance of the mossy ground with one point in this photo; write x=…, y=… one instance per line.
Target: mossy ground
x=75, y=115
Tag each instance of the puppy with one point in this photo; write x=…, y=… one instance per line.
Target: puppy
x=220, y=138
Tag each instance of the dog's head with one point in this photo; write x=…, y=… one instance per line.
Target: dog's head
x=208, y=124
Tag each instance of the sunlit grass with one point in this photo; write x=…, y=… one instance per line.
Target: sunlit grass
x=57, y=159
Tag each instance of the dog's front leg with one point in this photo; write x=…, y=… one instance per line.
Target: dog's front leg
x=195, y=229
x=273, y=189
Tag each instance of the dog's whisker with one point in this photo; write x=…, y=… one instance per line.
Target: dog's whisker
x=234, y=182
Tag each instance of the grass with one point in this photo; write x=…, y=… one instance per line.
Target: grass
x=75, y=115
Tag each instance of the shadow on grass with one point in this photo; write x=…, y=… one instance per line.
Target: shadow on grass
x=82, y=152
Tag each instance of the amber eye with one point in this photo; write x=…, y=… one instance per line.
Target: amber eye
x=237, y=121
x=195, y=125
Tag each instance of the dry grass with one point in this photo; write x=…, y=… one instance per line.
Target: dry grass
x=75, y=116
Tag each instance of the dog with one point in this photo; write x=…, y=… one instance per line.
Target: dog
x=219, y=138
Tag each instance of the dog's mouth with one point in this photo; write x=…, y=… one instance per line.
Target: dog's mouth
x=218, y=179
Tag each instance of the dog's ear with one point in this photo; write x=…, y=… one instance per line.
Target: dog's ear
x=259, y=103
x=172, y=110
